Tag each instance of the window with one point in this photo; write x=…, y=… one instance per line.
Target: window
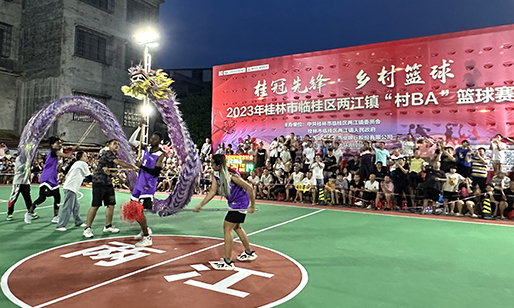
x=90, y=45
x=85, y=118
x=5, y=40
x=140, y=13
x=104, y=5
x=133, y=56
x=131, y=115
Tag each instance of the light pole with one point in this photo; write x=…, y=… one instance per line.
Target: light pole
x=149, y=39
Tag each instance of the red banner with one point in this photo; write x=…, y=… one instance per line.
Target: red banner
x=453, y=86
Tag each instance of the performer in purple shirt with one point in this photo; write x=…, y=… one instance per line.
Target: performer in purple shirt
x=239, y=195
x=144, y=190
x=49, y=185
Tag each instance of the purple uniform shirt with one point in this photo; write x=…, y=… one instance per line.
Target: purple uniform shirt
x=238, y=199
x=49, y=174
x=146, y=183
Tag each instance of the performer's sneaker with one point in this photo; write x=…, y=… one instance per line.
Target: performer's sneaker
x=88, y=233
x=140, y=235
x=145, y=241
x=111, y=229
x=35, y=216
x=62, y=229
x=8, y=218
x=223, y=265
x=28, y=218
x=55, y=219
x=247, y=256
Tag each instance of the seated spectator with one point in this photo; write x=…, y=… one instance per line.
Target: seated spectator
x=508, y=205
x=279, y=187
x=295, y=178
x=279, y=164
x=353, y=165
x=355, y=192
x=254, y=180
x=380, y=171
x=330, y=191
x=308, y=185
x=342, y=185
x=331, y=165
x=370, y=191
x=387, y=192
x=466, y=192
x=265, y=184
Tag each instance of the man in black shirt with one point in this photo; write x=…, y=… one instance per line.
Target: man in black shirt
x=354, y=165
x=400, y=177
x=103, y=189
x=330, y=162
x=433, y=185
x=260, y=158
x=380, y=172
x=356, y=189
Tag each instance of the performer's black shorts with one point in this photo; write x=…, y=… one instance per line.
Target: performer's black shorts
x=103, y=193
x=235, y=217
x=147, y=203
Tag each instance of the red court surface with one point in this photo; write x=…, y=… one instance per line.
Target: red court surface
x=174, y=272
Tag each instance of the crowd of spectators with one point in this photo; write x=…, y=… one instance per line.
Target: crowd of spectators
x=417, y=175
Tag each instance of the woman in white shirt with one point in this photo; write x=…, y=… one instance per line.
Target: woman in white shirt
x=295, y=178
x=497, y=156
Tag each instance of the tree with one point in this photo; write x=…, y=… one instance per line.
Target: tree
x=196, y=111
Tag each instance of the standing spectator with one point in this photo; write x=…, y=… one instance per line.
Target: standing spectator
x=479, y=164
x=417, y=166
x=463, y=155
x=273, y=151
x=260, y=158
x=500, y=182
x=366, y=160
x=450, y=189
x=408, y=145
x=3, y=150
x=317, y=170
x=354, y=165
x=381, y=154
x=433, y=183
x=400, y=177
x=279, y=164
x=338, y=152
x=308, y=154
x=394, y=159
x=292, y=146
x=497, y=156
x=331, y=165
x=447, y=158
x=206, y=149
x=370, y=191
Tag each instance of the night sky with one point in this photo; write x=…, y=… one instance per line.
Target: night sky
x=203, y=33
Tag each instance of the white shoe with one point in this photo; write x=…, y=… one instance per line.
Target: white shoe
x=28, y=218
x=83, y=225
x=111, y=229
x=140, y=235
x=222, y=265
x=60, y=229
x=88, y=233
x=55, y=219
x=358, y=203
x=145, y=241
x=458, y=214
x=474, y=216
x=247, y=256
x=368, y=207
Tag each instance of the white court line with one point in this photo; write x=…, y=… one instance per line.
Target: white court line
x=162, y=263
x=477, y=221
x=44, y=207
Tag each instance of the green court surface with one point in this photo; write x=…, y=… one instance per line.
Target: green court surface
x=352, y=259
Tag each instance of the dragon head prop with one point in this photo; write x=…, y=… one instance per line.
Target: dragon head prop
x=143, y=84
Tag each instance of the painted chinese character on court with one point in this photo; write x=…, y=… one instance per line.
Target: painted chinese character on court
x=113, y=254
x=442, y=72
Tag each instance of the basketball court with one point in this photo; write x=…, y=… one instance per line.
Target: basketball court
x=308, y=257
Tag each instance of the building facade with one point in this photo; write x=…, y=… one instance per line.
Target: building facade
x=55, y=48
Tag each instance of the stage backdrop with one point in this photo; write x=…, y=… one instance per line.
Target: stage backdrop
x=454, y=86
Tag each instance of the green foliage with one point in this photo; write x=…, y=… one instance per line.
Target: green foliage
x=196, y=111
